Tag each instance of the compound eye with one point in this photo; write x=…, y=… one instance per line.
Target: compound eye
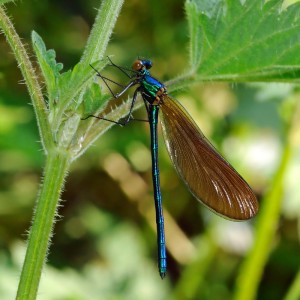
x=137, y=65
x=147, y=64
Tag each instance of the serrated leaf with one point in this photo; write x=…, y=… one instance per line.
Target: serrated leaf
x=93, y=100
x=250, y=40
x=5, y=1
x=56, y=67
x=73, y=82
x=48, y=55
x=49, y=67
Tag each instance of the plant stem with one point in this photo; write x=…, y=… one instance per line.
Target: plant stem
x=294, y=289
x=252, y=269
x=40, y=234
x=102, y=30
x=29, y=76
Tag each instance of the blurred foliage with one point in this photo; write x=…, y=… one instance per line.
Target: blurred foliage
x=104, y=246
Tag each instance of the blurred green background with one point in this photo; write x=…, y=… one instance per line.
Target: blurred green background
x=104, y=243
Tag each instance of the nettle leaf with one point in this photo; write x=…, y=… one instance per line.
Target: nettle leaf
x=250, y=40
x=72, y=86
x=50, y=68
x=65, y=90
x=94, y=100
x=5, y=1
x=73, y=82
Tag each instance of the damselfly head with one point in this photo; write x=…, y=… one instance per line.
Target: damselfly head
x=147, y=64
x=140, y=64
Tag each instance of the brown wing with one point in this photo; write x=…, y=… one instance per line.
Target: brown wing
x=210, y=178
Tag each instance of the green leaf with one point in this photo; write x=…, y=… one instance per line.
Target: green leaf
x=71, y=86
x=250, y=41
x=93, y=100
x=62, y=87
x=50, y=68
x=48, y=55
x=71, y=83
x=5, y=1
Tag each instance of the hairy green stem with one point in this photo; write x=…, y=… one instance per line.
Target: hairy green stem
x=294, y=289
x=58, y=160
x=102, y=30
x=29, y=76
x=55, y=172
